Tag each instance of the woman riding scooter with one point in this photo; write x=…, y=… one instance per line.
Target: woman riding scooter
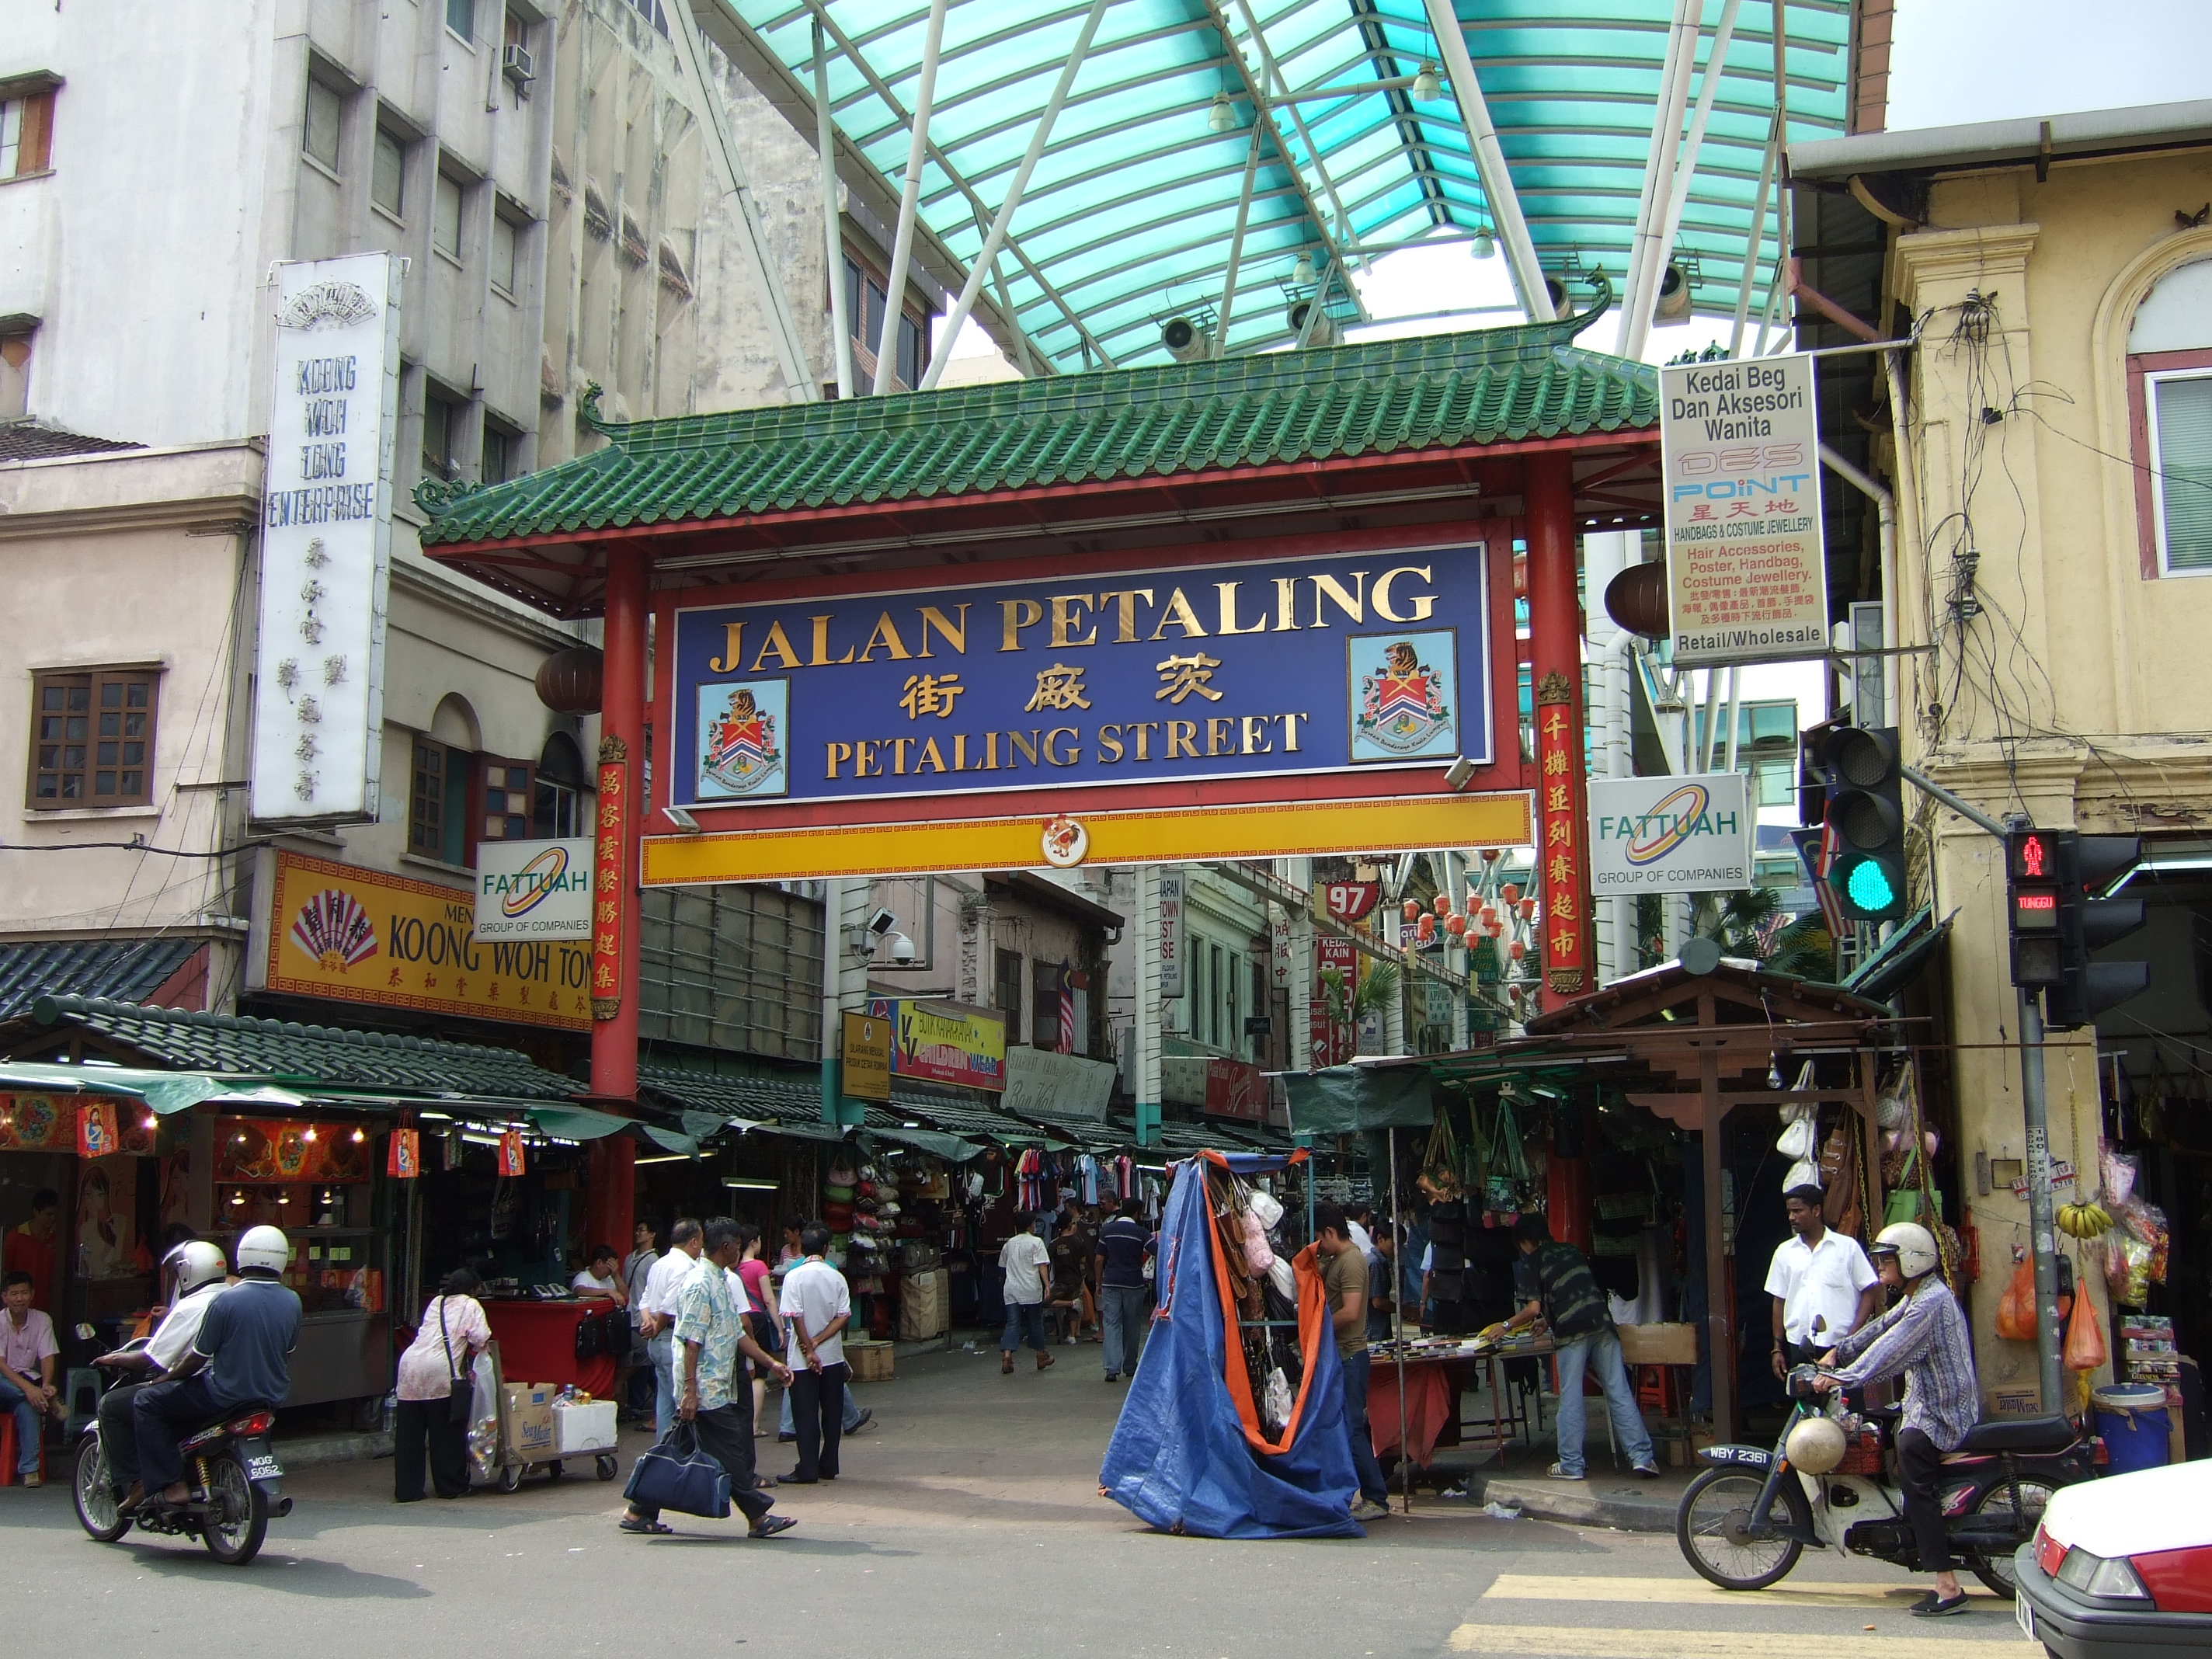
x=1926, y=1337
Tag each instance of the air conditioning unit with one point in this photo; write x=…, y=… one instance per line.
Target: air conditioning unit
x=1186, y=340
x=1324, y=327
x=514, y=64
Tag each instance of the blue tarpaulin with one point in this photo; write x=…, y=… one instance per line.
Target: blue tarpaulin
x=1181, y=1458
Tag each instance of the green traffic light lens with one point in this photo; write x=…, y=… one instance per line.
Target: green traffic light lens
x=1869, y=887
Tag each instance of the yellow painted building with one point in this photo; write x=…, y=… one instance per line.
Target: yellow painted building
x=2052, y=467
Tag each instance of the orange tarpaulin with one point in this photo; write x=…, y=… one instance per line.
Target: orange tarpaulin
x=1430, y=1401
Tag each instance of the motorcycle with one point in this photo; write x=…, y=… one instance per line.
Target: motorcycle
x=1745, y=1520
x=234, y=1473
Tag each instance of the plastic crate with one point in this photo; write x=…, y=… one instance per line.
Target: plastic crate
x=1862, y=1454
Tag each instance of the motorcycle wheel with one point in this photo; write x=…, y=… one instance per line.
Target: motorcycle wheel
x=237, y=1513
x=95, y=1497
x=1709, y=1528
x=1997, y=1571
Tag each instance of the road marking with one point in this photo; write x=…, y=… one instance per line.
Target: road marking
x=1566, y=1641
x=1528, y=1587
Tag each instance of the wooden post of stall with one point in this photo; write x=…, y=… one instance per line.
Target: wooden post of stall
x=1720, y=1321
x=1555, y=633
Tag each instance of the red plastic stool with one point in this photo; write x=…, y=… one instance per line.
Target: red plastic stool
x=8, y=1451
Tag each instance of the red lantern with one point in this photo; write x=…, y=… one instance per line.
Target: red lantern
x=1444, y=904
x=1510, y=892
x=1412, y=909
x=1490, y=854
x=1455, y=926
x=1425, y=929
x=1528, y=909
x=1517, y=950
x=1490, y=913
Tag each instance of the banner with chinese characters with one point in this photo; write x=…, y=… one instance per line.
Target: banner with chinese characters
x=1558, y=841
x=1277, y=668
x=1740, y=445
x=610, y=859
x=363, y=936
x=326, y=539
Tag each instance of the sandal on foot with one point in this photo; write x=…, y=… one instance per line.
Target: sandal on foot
x=769, y=1525
x=640, y=1524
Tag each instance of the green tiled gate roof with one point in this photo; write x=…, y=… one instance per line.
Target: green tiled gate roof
x=1503, y=386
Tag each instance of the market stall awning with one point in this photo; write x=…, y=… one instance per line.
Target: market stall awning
x=1338, y=127
x=1344, y=1100
x=163, y=1092
x=583, y=1123
x=1903, y=957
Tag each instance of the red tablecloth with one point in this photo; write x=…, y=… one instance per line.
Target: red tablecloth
x=537, y=1343
x=1431, y=1399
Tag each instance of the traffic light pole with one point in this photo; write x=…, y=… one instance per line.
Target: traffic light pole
x=2041, y=1235
x=2035, y=1110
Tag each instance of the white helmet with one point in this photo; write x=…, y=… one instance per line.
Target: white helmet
x=1815, y=1446
x=263, y=1247
x=195, y=1264
x=1913, y=1246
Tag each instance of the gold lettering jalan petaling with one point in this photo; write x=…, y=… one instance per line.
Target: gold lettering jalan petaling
x=1125, y=611
x=821, y=657
x=780, y=642
x=1423, y=604
x=1177, y=611
x=1051, y=746
x=1068, y=614
x=955, y=633
x=1228, y=592
x=733, y=650
x=1014, y=615
x=1352, y=605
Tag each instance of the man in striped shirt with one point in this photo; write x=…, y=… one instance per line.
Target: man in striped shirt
x=1925, y=1337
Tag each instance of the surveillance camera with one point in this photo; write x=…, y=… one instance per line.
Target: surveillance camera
x=901, y=948
x=681, y=819
x=882, y=923
x=1458, y=775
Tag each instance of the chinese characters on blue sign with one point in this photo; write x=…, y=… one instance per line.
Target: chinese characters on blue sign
x=1277, y=667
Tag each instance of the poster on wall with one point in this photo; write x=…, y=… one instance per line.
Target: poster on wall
x=106, y=1230
x=50, y=1123
x=265, y=1151
x=326, y=540
x=1740, y=447
x=363, y=936
x=1171, y=932
x=945, y=1041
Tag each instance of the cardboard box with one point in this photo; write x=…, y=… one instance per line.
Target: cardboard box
x=527, y=1419
x=584, y=1427
x=871, y=1362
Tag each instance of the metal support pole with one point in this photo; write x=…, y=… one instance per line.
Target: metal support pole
x=1686, y=168
x=1885, y=505
x=825, y=137
x=1236, y=247
x=1751, y=253
x=909, y=201
x=2040, y=1235
x=995, y=238
x=1666, y=129
x=1317, y=307
x=722, y=152
x=1734, y=715
x=1490, y=162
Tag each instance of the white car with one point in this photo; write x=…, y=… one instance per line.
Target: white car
x=2122, y=1568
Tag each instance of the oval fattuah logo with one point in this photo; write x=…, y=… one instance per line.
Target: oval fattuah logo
x=535, y=881
x=1668, y=825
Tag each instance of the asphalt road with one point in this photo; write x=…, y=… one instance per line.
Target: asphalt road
x=967, y=1523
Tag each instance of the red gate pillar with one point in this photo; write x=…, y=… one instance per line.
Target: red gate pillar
x=611, y=1204
x=621, y=817
x=1555, y=629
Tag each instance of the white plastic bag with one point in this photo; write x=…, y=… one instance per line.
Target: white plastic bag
x=1280, y=1276
x=1268, y=1207
x=1275, y=1401
x=1798, y=1141
x=1803, y=1173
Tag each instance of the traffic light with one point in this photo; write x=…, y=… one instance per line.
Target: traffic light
x=1865, y=808
x=2032, y=895
x=2088, y=865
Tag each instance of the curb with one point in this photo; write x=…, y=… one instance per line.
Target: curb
x=1586, y=1506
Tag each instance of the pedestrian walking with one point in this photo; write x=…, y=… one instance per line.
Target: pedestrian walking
x=1344, y=1278
x=440, y=1361
x=709, y=1393
x=1557, y=1288
x=817, y=1307
x=767, y=1330
x=634, y=1382
x=1024, y=1261
x=657, y=1319
x=1122, y=1247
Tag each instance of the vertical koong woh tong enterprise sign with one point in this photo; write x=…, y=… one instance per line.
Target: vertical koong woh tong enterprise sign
x=326, y=540
x=1741, y=452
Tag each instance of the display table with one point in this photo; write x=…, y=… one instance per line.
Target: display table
x=1434, y=1384
x=538, y=1343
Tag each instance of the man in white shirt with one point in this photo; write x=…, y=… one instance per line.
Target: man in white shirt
x=656, y=1322
x=817, y=1304
x=598, y=1277
x=193, y=1276
x=28, y=1354
x=1824, y=1287
x=1025, y=1262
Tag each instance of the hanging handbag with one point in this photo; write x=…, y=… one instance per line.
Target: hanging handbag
x=461, y=1393
x=676, y=1474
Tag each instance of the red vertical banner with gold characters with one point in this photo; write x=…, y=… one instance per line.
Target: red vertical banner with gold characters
x=1559, y=819
x=609, y=860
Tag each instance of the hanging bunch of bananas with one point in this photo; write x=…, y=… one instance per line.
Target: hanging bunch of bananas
x=2083, y=1220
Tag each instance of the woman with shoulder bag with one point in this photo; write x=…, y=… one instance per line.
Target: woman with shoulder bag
x=437, y=1391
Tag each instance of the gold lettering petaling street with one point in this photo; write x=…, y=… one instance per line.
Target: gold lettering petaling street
x=1068, y=621
x=1218, y=737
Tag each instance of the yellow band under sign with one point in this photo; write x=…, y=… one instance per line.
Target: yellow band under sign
x=1164, y=836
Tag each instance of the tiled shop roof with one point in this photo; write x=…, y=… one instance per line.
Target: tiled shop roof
x=126, y=969
x=1165, y=420
x=312, y=1054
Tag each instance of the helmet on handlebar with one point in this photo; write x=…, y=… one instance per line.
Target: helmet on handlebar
x=194, y=1265
x=265, y=1248
x=1912, y=1244
x=1816, y=1446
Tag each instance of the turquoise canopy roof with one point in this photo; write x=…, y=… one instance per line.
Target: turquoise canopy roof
x=1130, y=215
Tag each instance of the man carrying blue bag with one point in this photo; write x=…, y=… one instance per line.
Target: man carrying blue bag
x=706, y=1463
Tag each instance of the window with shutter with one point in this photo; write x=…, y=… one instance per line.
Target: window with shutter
x=2180, y=409
x=93, y=737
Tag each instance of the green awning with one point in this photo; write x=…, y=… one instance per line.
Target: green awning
x=164, y=1092
x=951, y=1148
x=1903, y=957
x=582, y=1123
x=1344, y=1100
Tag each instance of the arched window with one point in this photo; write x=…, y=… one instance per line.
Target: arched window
x=438, y=789
x=559, y=809
x=2170, y=407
